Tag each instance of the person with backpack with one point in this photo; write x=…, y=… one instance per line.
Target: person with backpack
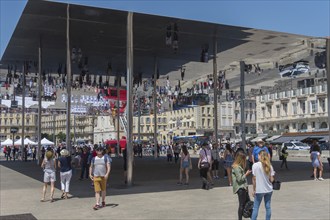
x=263, y=176
x=240, y=184
x=257, y=149
x=99, y=172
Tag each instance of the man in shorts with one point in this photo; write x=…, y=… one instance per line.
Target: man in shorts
x=99, y=173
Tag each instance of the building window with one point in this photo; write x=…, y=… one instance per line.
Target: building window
x=313, y=124
x=236, y=116
x=250, y=105
x=294, y=108
x=237, y=130
x=278, y=111
x=277, y=127
x=263, y=112
x=313, y=106
x=285, y=109
x=322, y=105
x=303, y=107
x=208, y=122
x=269, y=108
x=203, y=122
x=294, y=126
x=147, y=120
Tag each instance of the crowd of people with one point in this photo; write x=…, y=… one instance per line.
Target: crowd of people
x=238, y=164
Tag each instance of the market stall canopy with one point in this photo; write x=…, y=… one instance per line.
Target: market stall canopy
x=7, y=142
x=27, y=141
x=45, y=141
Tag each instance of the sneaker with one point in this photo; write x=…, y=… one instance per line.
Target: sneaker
x=96, y=207
x=179, y=183
x=186, y=184
x=103, y=204
x=315, y=179
x=321, y=179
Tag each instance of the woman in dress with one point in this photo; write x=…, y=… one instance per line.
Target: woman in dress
x=229, y=155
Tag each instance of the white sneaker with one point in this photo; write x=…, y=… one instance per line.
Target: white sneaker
x=321, y=179
x=316, y=179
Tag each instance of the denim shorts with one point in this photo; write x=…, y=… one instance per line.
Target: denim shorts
x=185, y=164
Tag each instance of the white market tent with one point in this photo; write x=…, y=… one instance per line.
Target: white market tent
x=7, y=142
x=27, y=141
x=45, y=141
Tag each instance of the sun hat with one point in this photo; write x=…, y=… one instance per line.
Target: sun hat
x=64, y=152
x=260, y=141
x=49, y=154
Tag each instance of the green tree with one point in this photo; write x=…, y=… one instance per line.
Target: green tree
x=61, y=136
x=45, y=135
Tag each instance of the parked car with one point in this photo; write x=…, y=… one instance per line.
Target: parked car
x=296, y=145
x=294, y=69
x=325, y=146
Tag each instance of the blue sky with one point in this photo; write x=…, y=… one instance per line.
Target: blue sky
x=292, y=16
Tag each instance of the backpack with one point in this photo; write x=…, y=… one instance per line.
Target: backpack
x=248, y=209
x=106, y=158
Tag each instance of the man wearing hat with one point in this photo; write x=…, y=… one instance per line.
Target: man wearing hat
x=256, y=150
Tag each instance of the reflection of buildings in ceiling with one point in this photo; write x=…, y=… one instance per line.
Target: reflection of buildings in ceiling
x=297, y=110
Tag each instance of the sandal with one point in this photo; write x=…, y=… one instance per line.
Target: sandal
x=96, y=207
x=63, y=195
x=42, y=200
x=52, y=200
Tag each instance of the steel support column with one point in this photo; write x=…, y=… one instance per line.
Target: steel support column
x=68, y=80
x=24, y=70
x=129, y=63
x=243, y=135
x=154, y=97
x=328, y=81
x=118, y=114
x=39, y=98
x=215, y=82
x=139, y=119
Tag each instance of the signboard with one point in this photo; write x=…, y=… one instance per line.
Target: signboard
x=13, y=130
x=14, y=104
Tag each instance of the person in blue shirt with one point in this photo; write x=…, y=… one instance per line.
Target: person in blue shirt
x=256, y=150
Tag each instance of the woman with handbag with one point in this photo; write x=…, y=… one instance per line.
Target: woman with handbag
x=263, y=176
x=185, y=165
x=240, y=184
x=204, y=165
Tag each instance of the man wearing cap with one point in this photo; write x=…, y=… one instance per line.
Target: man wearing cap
x=256, y=150
x=99, y=172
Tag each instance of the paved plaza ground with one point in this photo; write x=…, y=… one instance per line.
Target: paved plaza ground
x=155, y=194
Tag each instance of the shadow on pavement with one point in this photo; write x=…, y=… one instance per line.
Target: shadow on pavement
x=156, y=175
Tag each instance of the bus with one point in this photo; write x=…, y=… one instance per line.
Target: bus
x=191, y=139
